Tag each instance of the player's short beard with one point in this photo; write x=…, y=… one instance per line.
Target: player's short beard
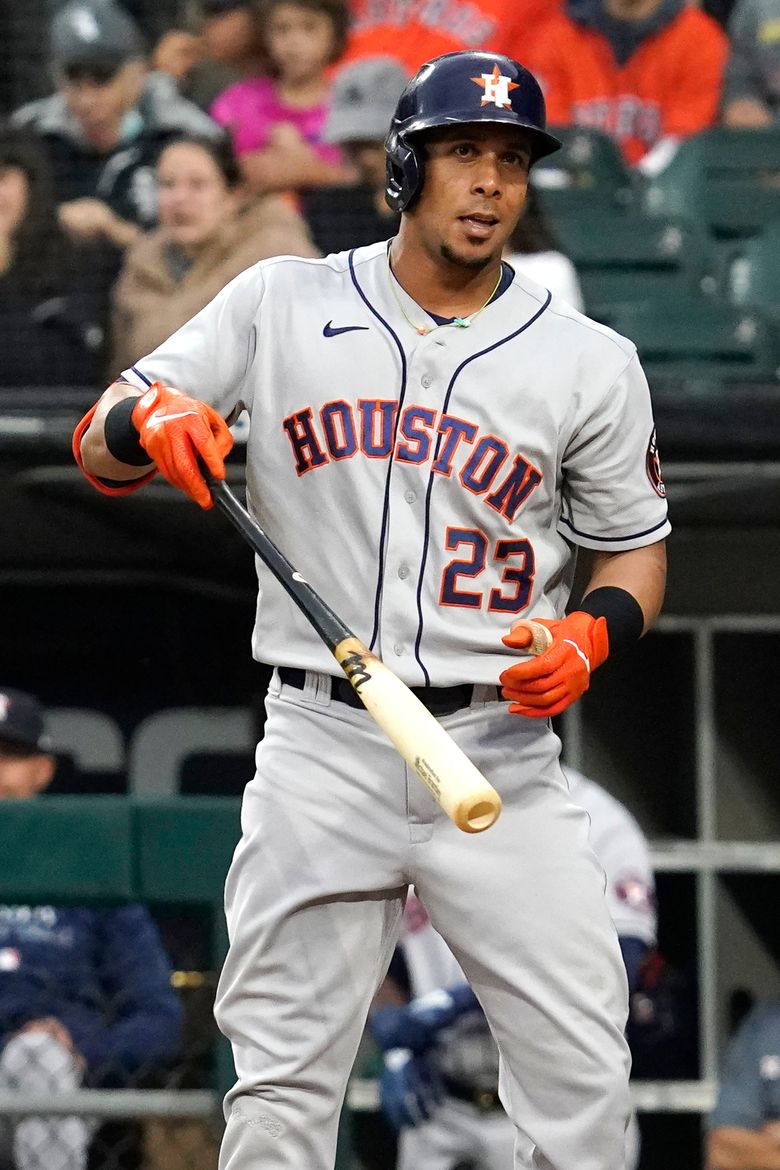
x=474, y=264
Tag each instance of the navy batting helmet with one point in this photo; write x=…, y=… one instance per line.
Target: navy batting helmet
x=454, y=89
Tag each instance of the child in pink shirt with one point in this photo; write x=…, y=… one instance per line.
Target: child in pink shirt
x=276, y=122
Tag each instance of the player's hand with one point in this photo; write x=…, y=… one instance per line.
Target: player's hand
x=176, y=431
x=409, y=1089
x=416, y=1025
x=547, y=684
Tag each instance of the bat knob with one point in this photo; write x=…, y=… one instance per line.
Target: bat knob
x=478, y=814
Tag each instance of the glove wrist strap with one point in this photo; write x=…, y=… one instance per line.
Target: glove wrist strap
x=622, y=613
x=121, y=434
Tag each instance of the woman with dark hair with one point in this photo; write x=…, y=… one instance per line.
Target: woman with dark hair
x=534, y=251
x=208, y=232
x=52, y=301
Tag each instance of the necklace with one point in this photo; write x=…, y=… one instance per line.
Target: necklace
x=458, y=322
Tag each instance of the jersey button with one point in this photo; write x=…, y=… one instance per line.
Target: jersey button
x=398, y=648
x=403, y=572
x=426, y=380
x=410, y=496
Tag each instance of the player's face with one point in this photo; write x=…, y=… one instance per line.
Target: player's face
x=194, y=201
x=300, y=41
x=23, y=775
x=476, y=178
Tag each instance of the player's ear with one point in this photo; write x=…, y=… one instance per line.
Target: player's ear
x=43, y=772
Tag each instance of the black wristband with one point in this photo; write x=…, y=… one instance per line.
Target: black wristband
x=623, y=613
x=121, y=435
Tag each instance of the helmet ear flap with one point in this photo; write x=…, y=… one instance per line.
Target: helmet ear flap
x=403, y=170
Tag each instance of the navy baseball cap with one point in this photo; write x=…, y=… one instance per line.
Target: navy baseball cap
x=22, y=721
x=94, y=34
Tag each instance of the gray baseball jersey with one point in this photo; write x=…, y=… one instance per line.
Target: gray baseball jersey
x=432, y=484
x=450, y=474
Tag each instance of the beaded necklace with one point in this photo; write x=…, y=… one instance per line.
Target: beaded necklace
x=458, y=322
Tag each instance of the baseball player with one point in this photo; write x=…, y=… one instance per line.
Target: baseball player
x=432, y=436
x=440, y=1077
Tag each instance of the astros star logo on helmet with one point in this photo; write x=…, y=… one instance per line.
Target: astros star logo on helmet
x=497, y=87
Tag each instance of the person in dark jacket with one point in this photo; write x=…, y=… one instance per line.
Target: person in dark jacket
x=85, y=992
x=54, y=294
x=105, y=126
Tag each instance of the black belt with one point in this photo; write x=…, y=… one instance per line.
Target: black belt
x=438, y=700
x=486, y=1100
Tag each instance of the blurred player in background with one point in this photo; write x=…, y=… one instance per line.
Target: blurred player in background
x=439, y=1085
x=744, y=1127
x=85, y=992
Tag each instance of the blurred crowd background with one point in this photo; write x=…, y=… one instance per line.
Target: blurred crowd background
x=149, y=152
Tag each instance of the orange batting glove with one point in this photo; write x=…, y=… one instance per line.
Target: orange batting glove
x=176, y=431
x=546, y=685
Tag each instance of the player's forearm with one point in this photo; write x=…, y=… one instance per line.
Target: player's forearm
x=98, y=460
x=640, y=571
x=734, y=1148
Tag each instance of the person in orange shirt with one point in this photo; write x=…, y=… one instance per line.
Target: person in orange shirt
x=415, y=31
x=648, y=72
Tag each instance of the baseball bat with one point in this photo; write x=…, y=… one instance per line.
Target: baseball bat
x=458, y=786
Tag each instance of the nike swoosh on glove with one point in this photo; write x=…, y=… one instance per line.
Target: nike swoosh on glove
x=547, y=684
x=177, y=431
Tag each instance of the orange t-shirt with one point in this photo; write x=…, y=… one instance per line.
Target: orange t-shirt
x=670, y=85
x=413, y=31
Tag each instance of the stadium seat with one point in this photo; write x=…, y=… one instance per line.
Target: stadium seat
x=588, y=170
x=625, y=256
x=692, y=336
x=752, y=273
x=726, y=179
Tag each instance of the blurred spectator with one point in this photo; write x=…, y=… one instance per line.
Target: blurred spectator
x=52, y=296
x=415, y=33
x=365, y=94
x=440, y=1083
x=534, y=251
x=207, y=235
x=106, y=125
x=745, y=1124
x=752, y=87
x=218, y=45
x=648, y=72
x=276, y=122
x=85, y=994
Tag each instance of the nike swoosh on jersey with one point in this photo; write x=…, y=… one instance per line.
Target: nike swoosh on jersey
x=155, y=419
x=332, y=330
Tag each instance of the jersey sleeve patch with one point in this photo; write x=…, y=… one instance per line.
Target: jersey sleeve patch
x=653, y=466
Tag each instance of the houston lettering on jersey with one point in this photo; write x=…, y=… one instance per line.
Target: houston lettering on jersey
x=442, y=442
